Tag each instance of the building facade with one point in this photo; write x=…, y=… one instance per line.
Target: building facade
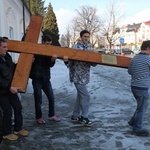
x=14, y=19
x=134, y=35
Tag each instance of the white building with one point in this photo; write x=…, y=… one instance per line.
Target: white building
x=14, y=19
x=134, y=35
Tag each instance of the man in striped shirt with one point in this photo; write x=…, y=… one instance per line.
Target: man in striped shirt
x=139, y=69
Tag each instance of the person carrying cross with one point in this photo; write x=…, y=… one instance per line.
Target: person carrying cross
x=40, y=75
x=139, y=69
x=8, y=96
x=80, y=76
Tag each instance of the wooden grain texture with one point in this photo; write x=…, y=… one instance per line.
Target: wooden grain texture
x=73, y=54
x=25, y=60
x=30, y=47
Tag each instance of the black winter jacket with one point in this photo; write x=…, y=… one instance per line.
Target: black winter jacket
x=41, y=67
x=7, y=69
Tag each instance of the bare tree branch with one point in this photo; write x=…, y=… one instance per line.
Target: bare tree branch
x=87, y=18
x=113, y=15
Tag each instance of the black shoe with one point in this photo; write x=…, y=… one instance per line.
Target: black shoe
x=75, y=119
x=86, y=121
x=130, y=123
x=142, y=133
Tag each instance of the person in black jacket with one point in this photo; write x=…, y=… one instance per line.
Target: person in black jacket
x=40, y=75
x=8, y=96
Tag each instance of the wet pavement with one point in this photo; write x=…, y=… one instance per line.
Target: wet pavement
x=112, y=105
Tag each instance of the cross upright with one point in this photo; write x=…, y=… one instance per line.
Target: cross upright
x=29, y=48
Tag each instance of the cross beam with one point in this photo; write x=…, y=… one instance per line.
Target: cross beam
x=29, y=48
x=73, y=54
x=25, y=60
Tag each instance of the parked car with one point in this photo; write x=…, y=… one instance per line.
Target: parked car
x=101, y=50
x=127, y=51
x=136, y=50
x=107, y=51
x=117, y=51
x=104, y=50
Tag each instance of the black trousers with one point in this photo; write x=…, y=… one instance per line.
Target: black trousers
x=7, y=103
x=38, y=86
x=1, y=130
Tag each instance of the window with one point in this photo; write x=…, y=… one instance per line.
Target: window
x=11, y=32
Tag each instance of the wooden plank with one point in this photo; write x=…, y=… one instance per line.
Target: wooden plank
x=73, y=54
x=24, y=64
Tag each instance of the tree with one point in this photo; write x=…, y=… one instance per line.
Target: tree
x=68, y=39
x=111, y=18
x=86, y=18
x=50, y=25
x=63, y=41
x=36, y=7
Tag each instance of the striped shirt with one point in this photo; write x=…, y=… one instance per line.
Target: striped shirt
x=139, y=69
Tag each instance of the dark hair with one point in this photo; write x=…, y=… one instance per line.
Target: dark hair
x=83, y=32
x=145, y=45
x=5, y=37
x=2, y=40
x=46, y=37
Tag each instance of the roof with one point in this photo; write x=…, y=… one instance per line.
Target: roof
x=133, y=27
x=147, y=23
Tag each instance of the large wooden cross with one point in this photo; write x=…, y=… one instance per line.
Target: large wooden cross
x=29, y=47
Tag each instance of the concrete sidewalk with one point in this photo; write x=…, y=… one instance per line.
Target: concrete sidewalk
x=112, y=105
x=107, y=133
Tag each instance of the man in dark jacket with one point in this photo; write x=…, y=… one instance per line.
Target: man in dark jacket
x=8, y=96
x=40, y=75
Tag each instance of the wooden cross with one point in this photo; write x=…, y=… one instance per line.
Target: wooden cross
x=30, y=47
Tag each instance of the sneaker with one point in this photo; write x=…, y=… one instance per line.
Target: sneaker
x=142, y=133
x=11, y=137
x=86, y=122
x=76, y=119
x=40, y=121
x=54, y=118
x=22, y=132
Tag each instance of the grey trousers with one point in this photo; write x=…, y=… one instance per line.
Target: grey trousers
x=81, y=106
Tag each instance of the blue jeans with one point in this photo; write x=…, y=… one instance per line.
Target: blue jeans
x=7, y=102
x=38, y=86
x=142, y=98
